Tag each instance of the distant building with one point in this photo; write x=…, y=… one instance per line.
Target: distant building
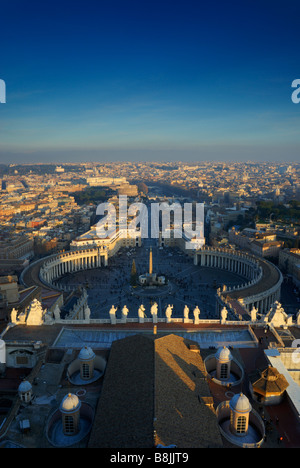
x=129, y=190
x=263, y=244
x=289, y=263
x=105, y=181
x=121, y=238
x=16, y=247
x=9, y=291
x=266, y=249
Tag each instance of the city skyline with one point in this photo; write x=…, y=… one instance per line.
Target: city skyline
x=158, y=81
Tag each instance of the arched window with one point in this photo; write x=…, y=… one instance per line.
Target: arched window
x=25, y=396
x=224, y=371
x=85, y=371
x=69, y=424
x=241, y=424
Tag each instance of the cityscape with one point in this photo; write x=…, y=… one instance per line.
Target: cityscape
x=149, y=227
x=70, y=299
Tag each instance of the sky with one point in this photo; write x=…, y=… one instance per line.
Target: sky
x=149, y=80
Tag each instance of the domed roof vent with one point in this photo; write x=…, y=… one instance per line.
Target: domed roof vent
x=86, y=354
x=25, y=386
x=70, y=403
x=224, y=354
x=240, y=403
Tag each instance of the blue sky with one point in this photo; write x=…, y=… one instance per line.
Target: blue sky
x=149, y=80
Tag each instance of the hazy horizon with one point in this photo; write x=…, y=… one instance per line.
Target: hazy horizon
x=149, y=81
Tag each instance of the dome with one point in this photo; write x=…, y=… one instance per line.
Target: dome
x=25, y=386
x=70, y=402
x=223, y=354
x=240, y=403
x=86, y=354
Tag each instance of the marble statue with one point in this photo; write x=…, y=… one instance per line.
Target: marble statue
x=57, y=312
x=224, y=313
x=112, y=314
x=48, y=317
x=13, y=315
x=169, y=310
x=253, y=314
x=186, y=312
x=35, y=315
x=277, y=315
x=153, y=311
x=141, y=313
x=125, y=311
x=196, y=313
x=87, y=313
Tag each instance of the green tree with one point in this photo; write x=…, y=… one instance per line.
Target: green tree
x=133, y=275
x=142, y=187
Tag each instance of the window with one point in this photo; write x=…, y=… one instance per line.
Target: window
x=85, y=371
x=241, y=425
x=22, y=360
x=69, y=425
x=224, y=371
x=23, y=396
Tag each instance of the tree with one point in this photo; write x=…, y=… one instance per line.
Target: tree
x=143, y=188
x=133, y=275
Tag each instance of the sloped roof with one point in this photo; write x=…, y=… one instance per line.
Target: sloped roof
x=155, y=392
x=125, y=411
x=183, y=403
x=268, y=382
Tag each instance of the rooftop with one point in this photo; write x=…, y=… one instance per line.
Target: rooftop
x=154, y=389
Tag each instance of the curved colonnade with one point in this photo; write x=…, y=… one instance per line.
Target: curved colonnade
x=260, y=289
x=72, y=261
x=263, y=279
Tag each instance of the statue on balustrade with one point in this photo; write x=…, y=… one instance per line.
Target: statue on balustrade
x=196, y=313
x=112, y=314
x=186, y=312
x=125, y=311
x=153, y=311
x=169, y=310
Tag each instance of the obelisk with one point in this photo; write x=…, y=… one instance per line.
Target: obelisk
x=150, y=261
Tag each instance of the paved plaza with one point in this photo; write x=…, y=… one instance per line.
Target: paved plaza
x=187, y=284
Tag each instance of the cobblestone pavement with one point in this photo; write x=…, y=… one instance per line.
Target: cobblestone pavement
x=191, y=285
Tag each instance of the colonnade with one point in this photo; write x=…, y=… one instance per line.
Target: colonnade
x=262, y=302
x=248, y=266
x=70, y=262
x=239, y=263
